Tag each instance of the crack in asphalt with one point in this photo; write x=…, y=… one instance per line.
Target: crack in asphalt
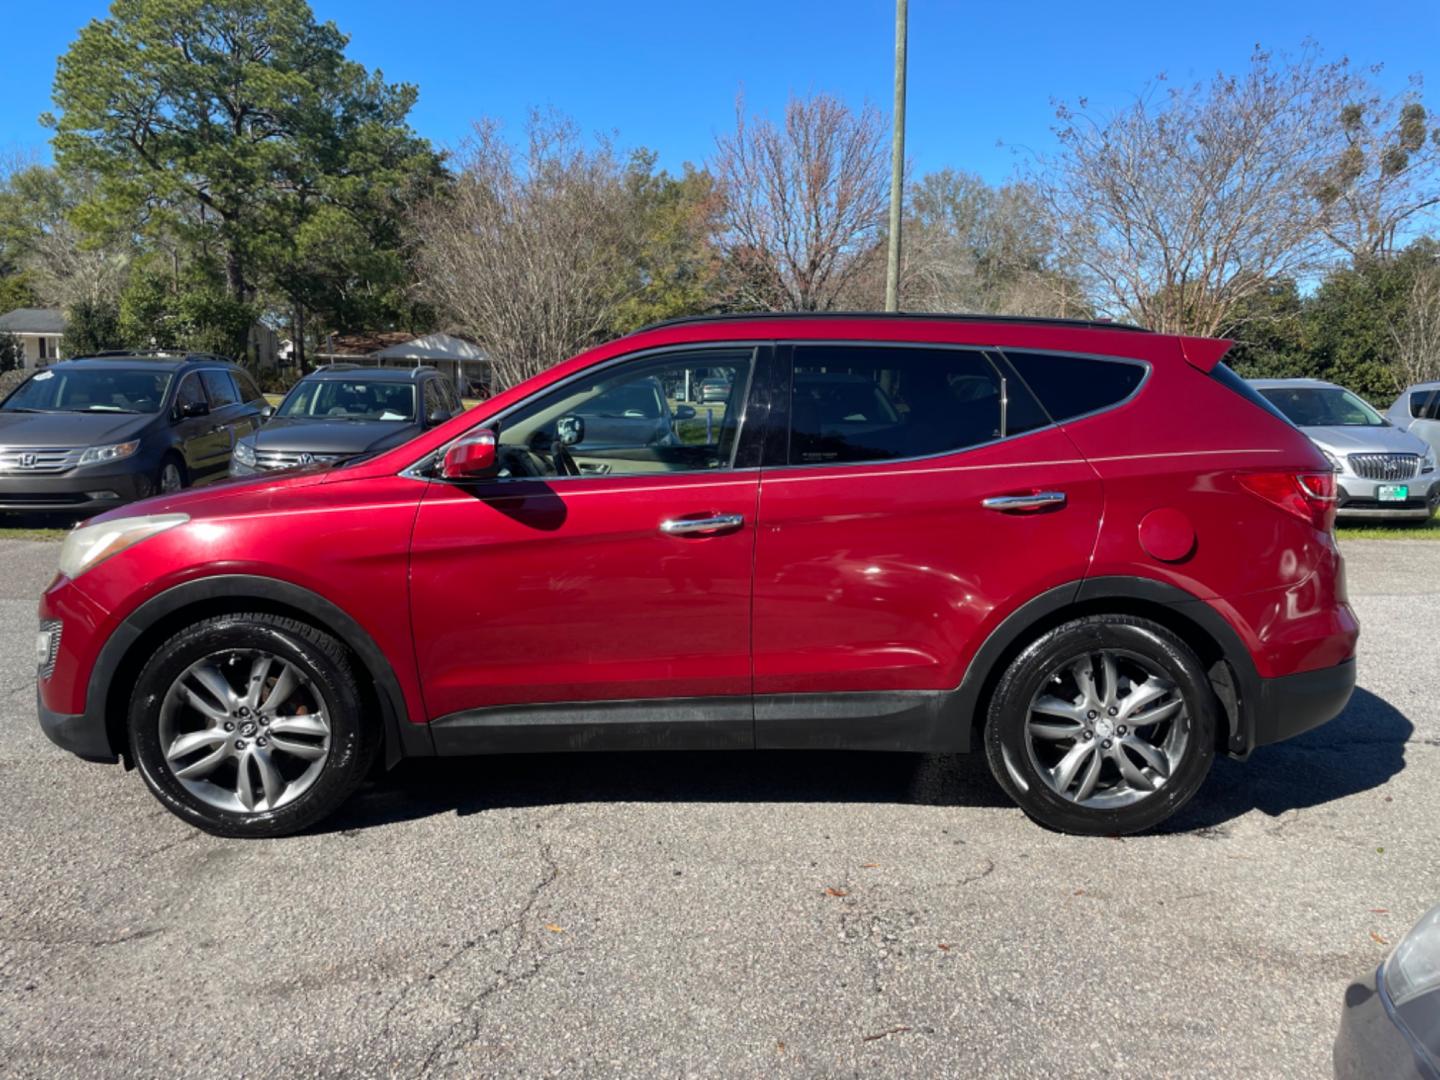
x=516, y=970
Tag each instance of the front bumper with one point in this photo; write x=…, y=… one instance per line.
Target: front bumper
x=1360, y=499
x=1370, y=1043
x=90, y=490
x=1293, y=704
x=83, y=735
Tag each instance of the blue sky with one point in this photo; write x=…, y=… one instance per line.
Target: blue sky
x=665, y=74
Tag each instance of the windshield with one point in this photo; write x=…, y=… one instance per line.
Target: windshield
x=1322, y=406
x=350, y=399
x=120, y=390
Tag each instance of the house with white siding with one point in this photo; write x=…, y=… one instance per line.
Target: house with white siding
x=39, y=331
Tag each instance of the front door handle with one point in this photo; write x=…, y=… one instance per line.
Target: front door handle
x=690, y=526
x=1037, y=500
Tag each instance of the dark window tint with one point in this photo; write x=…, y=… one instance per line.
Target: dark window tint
x=434, y=398
x=246, y=385
x=190, y=392
x=1070, y=386
x=859, y=403
x=1226, y=377
x=1425, y=405
x=220, y=389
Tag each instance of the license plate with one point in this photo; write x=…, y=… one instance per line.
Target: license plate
x=1393, y=492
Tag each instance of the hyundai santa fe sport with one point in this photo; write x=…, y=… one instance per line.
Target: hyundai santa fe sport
x=1090, y=551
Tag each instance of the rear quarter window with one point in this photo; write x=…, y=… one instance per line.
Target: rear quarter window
x=1071, y=386
x=1425, y=405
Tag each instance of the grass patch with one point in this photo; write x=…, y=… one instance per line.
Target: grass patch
x=1419, y=530
x=32, y=534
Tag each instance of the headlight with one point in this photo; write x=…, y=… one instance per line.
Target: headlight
x=1335, y=462
x=244, y=453
x=85, y=547
x=1429, y=463
x=97, y=455
x=1414, y=967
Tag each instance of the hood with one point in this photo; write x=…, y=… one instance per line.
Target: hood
x=1365, y=440
x=331, y=436
x=229, y=497
x=69, y=430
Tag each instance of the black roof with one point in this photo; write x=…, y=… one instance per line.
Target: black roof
x=918, y=316
x=371, y=374
x=171, y=360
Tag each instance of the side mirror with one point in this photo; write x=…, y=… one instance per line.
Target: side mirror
x=570, y=430
x=439, y=416
x=193, y=409
x=267, y=411
x=472, y=458
x=684, y=412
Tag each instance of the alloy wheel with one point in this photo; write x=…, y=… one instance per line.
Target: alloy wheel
x=1107, y=729
x=170, y=478
x=244, y=731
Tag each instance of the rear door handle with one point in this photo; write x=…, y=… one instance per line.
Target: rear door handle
x=689, y=526
x=1038, y=500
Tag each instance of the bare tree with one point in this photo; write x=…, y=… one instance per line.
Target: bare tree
x=802, y=203
x=973, y=247
x=1417, y=333
x=530, y=254
x=1181, y=207
x=1385, y=176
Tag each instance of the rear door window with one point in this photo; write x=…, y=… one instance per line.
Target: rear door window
x=246, y=385
x=1071, y=386
x=852, y=403
x=1425, y=405
x=190, y=392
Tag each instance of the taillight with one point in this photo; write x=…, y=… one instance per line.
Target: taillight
x=1309, y=496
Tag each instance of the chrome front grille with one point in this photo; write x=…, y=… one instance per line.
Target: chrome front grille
x=291, y=459
x=1385, y=466
x=31, y=461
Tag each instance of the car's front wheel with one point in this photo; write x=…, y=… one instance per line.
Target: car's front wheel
x=250, y=725
x=1102, y=726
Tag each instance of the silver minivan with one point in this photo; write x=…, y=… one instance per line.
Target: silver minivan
x=1382, y=471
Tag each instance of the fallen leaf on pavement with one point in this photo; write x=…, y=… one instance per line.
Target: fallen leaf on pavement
x=1379, y=911
x=944, y=946
x=869, y=866
x=883, y=1034
x=554, y=929
x=831, y=890
x=1378, y=939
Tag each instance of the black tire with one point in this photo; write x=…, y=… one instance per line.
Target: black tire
x=170, y=461
x=1008, y=744
x=354, y=737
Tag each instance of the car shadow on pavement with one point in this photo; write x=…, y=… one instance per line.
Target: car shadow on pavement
x=423, y=787
x=1358, y=751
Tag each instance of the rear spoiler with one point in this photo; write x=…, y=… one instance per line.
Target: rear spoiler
x=1203, y=352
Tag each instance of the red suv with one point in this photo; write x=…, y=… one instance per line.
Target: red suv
x=1089, y=549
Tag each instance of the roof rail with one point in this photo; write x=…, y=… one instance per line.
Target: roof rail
x=1037, y=320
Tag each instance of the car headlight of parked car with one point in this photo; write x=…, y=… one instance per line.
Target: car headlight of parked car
x=100, y=455
x=1335, y=462
x=1413, y=968
x=1429, y=464
x=244, y=453
x=92, y=544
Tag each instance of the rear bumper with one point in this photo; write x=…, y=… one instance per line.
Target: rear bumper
x=1293, y=704
x=83, y=735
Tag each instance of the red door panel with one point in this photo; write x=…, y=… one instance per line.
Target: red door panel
x=880, y=577
x=568, y=590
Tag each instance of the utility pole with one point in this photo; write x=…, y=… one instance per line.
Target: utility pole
x=897, y=159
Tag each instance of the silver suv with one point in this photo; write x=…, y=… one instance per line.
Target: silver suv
x=1417, y=411
x=1382, y=471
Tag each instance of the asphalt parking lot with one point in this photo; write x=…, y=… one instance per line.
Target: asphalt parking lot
x=724, y=914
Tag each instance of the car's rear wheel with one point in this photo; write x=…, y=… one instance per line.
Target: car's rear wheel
x=250, y=725
x=1102, y=726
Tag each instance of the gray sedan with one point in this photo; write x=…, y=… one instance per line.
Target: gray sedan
x=1381, y=471
x=1390, y=1029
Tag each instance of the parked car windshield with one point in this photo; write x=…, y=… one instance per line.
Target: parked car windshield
x=1322, y=406
x=118, y=390
x=350, y=399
